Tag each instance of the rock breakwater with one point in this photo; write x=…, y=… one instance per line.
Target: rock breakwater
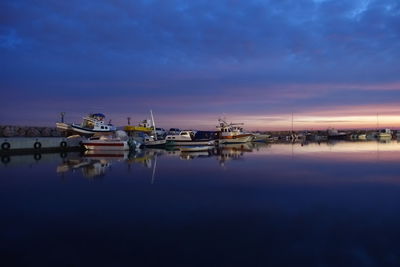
x=28, y=131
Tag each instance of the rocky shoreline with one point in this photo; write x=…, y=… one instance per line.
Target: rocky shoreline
x=28, y=131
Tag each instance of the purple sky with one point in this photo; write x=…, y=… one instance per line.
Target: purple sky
x=333, y=63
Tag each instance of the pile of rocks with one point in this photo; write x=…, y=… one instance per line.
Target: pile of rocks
x=26, y=131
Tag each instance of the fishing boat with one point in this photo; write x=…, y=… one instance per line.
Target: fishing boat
x=93, y=123
x=232, y=133
x=192, y=138
x=144, y=126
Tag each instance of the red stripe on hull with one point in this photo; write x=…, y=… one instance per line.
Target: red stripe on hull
x=99, y=144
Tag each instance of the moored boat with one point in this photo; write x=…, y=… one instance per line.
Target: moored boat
x=150, y=141
x=232, y=133
x=334, y=134
x=93, y=123
x=362, y=137
x=384, y=134
x=191, y=138
x=110, y=142
x=144, y=126
x=105, y=143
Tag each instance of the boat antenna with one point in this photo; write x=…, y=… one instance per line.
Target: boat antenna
x=62, y=114
x=154, y=125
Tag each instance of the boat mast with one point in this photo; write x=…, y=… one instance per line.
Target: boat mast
x=154, y=125
x=377, y=122
x=292, y=122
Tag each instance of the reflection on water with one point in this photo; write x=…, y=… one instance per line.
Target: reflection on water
x=93, y=163
x=301, y=204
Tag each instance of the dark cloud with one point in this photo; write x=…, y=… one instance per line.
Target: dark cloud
x=203, y=48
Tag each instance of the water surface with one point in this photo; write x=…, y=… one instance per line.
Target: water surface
x=328, y=204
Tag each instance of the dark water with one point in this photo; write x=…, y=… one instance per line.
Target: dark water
x=254, y=205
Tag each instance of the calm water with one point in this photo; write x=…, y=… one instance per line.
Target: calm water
x=254, y=205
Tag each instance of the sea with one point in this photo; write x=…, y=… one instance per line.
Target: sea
x=253, y=204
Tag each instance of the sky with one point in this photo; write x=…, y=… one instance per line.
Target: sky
x=330, y=63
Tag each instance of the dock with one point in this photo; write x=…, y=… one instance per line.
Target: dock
x=37, y=145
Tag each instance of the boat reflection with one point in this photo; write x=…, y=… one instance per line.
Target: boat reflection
x=90, y=168
x=96, y=164
x=92, y=163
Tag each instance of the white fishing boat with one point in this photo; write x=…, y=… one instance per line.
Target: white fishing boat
x=232, y=133
x=93, y=123
x=105, y=143
x=109, y=142
x=191, y=138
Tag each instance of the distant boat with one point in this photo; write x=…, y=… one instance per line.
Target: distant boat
x=258, y=137
x=362, y=137
x=334, y=134
x=232, y=133
x=384, y=134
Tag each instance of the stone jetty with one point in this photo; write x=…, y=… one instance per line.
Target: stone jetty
x=28, y=131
